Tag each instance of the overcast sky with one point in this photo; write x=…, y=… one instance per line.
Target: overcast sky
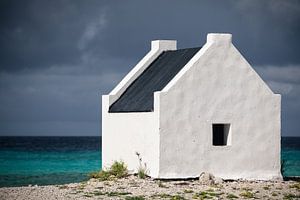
x=58, y=57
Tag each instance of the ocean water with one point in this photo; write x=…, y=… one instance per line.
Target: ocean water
x=48, y=160
x=290, y=156
x=59, y=160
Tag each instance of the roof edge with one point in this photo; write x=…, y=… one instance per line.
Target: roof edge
x=157, y=47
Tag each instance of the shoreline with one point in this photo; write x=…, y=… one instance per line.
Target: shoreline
x=132, y=187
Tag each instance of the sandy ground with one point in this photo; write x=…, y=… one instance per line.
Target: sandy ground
x=133, y=188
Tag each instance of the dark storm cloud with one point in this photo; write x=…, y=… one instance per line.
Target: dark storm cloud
x=44, y=33
x=262, y=30
x=58, y=57
x=285, y=81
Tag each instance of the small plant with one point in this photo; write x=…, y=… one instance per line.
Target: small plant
x=266, y=188
x=296, y=186
x=208, y=194
x=135, y=198
x=247, y=194
x=164, y=196
x=231, y=196
x=291, y=196
x=142, y=173
x=102, y=175
x=214, y=194
x=114, y=194
x=98, y=193
x=195, y=196
x=168, y=196
x=118, y=169
x=87, y=195
x=142, y=170
x=247, y=189
x=177, y=197
x=202, y=195
x=274, y=194
x=188, y=191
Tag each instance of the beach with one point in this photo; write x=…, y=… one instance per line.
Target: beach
x=132, y=187
x=58, y=168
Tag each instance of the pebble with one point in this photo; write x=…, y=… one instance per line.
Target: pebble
x=153, y=189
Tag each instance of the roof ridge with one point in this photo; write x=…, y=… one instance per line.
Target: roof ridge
x=189, y=48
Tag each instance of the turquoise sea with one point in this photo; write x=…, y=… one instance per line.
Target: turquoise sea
x=48, y=160
x=58, y=160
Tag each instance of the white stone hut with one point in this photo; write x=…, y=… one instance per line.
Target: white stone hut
x=194, y=110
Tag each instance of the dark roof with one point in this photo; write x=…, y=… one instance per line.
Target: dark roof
x=138, y=97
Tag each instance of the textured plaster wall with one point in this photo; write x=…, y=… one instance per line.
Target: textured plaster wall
x=219, y=86
x=216, y=86
x=124, y=134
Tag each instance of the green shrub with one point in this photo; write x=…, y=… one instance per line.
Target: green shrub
x=102, y=175
x=202, y=195
x=247, y=194
x=118, y=169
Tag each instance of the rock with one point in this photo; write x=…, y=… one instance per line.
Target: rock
x=218, y=180
x=206, y=178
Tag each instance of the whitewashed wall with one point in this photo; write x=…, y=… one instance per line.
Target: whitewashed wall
x=124, y=134
x=219, y=86
x=216, y=86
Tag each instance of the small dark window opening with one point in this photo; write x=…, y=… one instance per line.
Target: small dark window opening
x=220, y=134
